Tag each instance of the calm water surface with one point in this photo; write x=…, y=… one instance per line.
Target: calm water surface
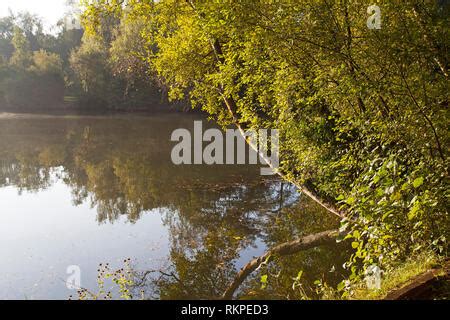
x=85, y=190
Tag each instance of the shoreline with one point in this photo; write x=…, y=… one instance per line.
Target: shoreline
x=93, y=113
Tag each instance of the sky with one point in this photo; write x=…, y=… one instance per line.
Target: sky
x=50, y=10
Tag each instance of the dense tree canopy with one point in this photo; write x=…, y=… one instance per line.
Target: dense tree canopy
x=363, y=112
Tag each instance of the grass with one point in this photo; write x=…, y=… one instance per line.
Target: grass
x=399, y=276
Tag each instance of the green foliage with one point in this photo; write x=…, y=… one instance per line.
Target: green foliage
x=398, y=276
x=363, y=113
x=105, y=71
x=6, y=34
x=128, y=52
x=264, y=281
x=21, y=57
x=89, y=63
x=32, y=74
x=45, y=63
x=32, y=80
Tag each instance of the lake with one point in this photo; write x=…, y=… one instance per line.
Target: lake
x=89, y=190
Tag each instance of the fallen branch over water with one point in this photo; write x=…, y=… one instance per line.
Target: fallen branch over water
x=284, y=249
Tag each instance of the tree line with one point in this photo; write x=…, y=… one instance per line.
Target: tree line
x=67, y=68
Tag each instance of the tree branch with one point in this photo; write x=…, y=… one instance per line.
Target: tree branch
x=283, y=249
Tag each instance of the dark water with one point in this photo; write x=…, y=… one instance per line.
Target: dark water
x=88, y=190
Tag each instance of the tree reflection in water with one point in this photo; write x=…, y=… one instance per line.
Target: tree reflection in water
x=214, y=214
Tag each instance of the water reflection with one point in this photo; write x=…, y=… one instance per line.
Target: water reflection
x=122, y=166
x=217, y=217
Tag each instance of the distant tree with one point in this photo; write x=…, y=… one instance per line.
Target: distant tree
x=45, y=63
x=22, y=50
x=33, y=70
x=33, y=81
x=90, y=64
x=127, y=61
x=6, y=34
x=33, y=28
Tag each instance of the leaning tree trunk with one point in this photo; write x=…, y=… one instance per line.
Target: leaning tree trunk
x=232, y=108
